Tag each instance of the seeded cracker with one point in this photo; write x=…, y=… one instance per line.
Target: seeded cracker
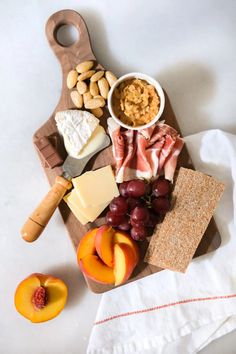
x=175, y=241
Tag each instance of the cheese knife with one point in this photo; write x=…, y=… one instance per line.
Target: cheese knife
x=72, y=167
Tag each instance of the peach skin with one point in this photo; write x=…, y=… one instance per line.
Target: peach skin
x=104, y=244
x=125, y=262
x=123, y=237
x=95, y=269
x=87, y=244
x=40, y=297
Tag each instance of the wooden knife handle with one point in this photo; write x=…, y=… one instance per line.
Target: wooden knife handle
x=37, y=221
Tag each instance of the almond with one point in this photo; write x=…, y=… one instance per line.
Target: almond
x=103, y=87
x=111, y=78
x=77, y=99
x=95, y=103
x=93, y=88
x=81, y=87
x=98, y=96
x=101, y=98
x=98, y=112
x=98, y=75
x=86, y=75
x=72, y=79
x=85, y=66
x=87, y=96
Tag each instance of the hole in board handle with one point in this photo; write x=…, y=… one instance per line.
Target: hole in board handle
x=67, y=35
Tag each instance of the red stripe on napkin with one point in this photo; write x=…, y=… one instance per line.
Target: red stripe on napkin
x=155, y=308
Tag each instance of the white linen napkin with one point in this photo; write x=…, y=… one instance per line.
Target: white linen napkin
x=177, y=313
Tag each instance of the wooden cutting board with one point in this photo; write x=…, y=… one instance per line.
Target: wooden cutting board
x=69, y=57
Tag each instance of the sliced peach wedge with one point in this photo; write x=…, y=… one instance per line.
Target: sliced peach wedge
x=93, y=267
x=87, y=244
x=123, y=237
x=125, y=262
x=40, y=297
x=107, y=256
x=104, y=244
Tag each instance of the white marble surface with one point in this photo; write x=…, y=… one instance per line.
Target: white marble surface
x=188, y=45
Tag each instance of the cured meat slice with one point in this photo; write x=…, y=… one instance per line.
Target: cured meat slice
x=165, y=151
x=147, y=132
x=161, y=130
x=136, y=164
x=153, y=153
x=125, y=173
x=171, y=161
x=143, y=167
x=118, y=143
x=146, y=153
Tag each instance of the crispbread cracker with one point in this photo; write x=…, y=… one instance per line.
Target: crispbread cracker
x=175, y=240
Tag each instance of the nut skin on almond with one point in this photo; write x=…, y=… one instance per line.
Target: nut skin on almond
x=77, y=99
x=99, y=96
x=97, y=112
x=93, y=88
x=86, y=75
x=103, y=87
x=81, y=87
x=72, y=79
x=97, y=76
x=111, y=78
x=40, y=297
x=86, y=97
x=95, y=103
x=84, y=66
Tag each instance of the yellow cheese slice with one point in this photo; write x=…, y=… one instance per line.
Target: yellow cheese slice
x=90, y=213
x=75, y=210
x=96, y=187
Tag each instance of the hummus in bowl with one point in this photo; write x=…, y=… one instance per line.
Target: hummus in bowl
x=136, y=101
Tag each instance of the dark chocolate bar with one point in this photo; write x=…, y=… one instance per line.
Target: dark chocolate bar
x=50, y=156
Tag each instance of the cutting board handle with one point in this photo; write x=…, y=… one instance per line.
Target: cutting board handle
x=80, y=49
x=70, y=56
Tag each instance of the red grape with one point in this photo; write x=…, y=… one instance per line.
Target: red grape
x=139, y=234
x=161, y=205
x=136, y=188
x=119, y=206
x=160, y=187
x=123, y=189
x=153, y=219
x=114, y=219
x=139, y=213
x=125, y=225
x=138, y=223
x=133, y=202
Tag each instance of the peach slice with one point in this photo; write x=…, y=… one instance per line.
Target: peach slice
x=125, y=262
x=87, y=244
x=95, y=269
x=104, y=244
x=123, y=237
x=40, y=297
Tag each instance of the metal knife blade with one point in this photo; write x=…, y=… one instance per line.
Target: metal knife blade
x=73, y=167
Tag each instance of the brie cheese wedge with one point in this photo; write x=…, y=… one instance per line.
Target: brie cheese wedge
x=93, y=143
x=76, y=128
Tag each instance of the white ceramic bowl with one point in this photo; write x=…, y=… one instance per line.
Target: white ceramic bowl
x=151, y=81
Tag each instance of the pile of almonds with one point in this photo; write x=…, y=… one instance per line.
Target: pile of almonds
x=92, y=87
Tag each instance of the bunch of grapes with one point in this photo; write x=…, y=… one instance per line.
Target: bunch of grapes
x=139, y=207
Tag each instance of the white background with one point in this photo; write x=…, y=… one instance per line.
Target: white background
x=188, y=45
